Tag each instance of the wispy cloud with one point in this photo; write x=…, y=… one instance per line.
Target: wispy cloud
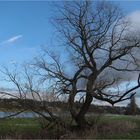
x=11, y=39
x=14, y=38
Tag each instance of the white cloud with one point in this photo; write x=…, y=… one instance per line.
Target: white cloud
x=13, y=62
x=12, y=39
x=135, y=19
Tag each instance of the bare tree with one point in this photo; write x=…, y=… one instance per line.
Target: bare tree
x=102, y=53
x=132, y=107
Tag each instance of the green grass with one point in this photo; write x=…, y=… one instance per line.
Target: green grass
x=32, y=128
x=14, y=127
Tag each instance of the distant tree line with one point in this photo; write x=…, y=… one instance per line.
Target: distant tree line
x=15, y=104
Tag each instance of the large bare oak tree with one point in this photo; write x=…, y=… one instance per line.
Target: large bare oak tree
x=102, y=47
x=102, y=51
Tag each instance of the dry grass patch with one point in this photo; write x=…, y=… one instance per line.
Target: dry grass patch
x=116, y=127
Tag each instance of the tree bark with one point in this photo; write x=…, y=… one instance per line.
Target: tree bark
x=71, y=101
x=80, y=118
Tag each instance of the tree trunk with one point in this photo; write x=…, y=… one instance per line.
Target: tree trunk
x=71, y=101
x=71, y=105
x=80, y=118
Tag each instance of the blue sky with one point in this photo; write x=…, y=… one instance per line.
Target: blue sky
x=25, y=26
x=129, y=5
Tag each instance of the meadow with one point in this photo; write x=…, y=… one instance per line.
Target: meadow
x=105, y=127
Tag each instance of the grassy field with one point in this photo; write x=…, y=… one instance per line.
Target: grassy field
x=109, y=127
x=126, y=127
x=16, y=128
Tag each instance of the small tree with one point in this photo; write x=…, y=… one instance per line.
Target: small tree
x=132, y=107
